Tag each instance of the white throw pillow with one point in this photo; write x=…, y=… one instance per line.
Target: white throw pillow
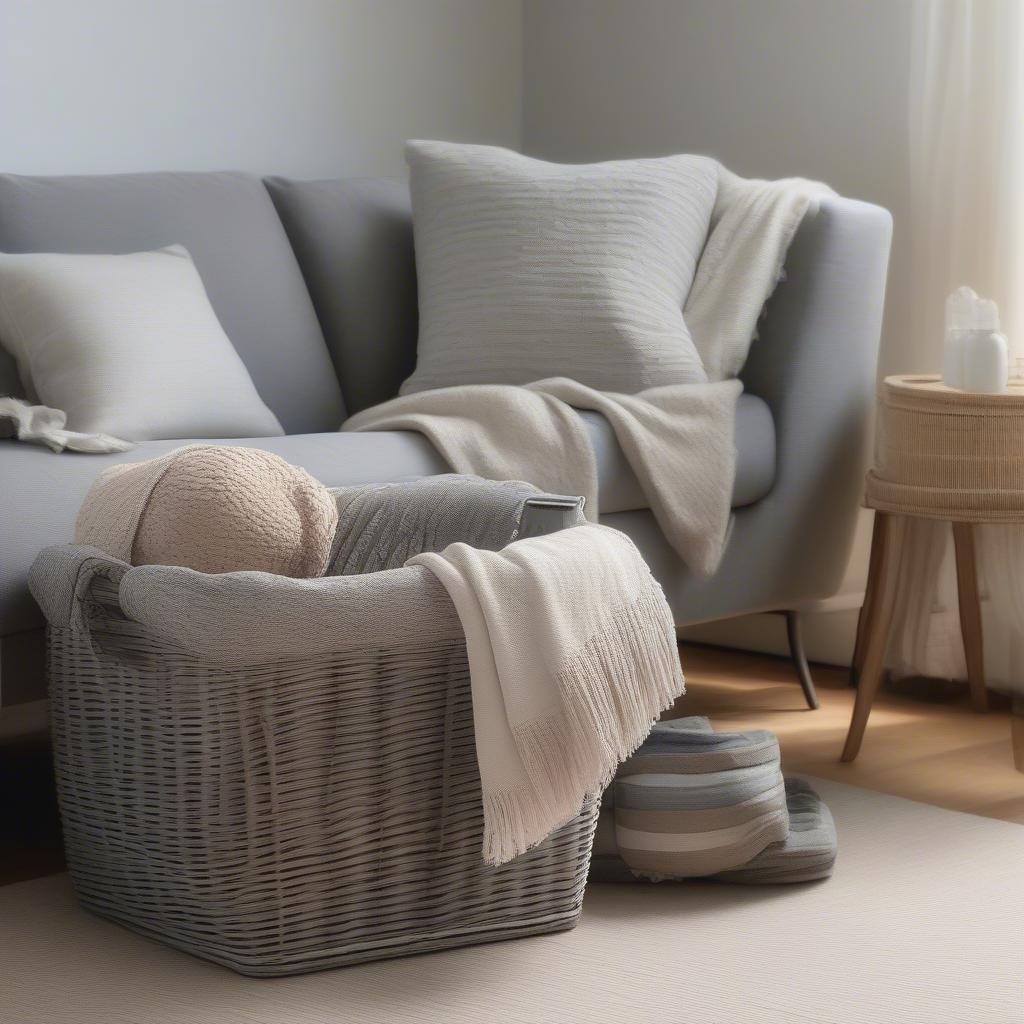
x=530, y=269
x=127, y=345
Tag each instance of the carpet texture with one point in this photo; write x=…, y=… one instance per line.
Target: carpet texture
x=922, y=923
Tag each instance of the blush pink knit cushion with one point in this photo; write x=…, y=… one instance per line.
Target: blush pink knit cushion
x=214, y=509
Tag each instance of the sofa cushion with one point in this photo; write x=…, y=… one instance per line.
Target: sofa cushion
x=529, y=269
x=228, y=223
x=353, y=241
x=39, y=506
x=127, y=345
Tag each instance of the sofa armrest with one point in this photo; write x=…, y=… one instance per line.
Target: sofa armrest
x=815, y=364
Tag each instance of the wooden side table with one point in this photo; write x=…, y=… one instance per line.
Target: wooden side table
x=941, y=454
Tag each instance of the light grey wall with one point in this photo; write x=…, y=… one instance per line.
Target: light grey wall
x=818, y=88
x=297, y=87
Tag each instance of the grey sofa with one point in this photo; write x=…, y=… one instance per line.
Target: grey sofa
x=315, y=284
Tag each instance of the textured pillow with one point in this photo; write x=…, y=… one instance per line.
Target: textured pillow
x=214, y=509
x=529, y=269
x=127, y=345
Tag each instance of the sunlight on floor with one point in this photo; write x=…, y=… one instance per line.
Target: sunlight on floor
x=939, y=752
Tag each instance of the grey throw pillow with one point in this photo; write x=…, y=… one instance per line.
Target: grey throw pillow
x=529, y=269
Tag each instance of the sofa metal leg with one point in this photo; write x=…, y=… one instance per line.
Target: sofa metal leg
x=796, y=651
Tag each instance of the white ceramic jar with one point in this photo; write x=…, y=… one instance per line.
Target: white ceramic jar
x=985, y=362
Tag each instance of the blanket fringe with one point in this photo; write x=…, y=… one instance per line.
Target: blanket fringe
x=612, y=691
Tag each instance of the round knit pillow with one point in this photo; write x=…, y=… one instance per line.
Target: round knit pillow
x=215, y=509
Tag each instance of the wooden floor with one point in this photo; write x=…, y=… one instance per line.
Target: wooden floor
x=939, y=752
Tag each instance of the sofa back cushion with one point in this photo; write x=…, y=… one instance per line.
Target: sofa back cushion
x=353, y=240
x=228, y=223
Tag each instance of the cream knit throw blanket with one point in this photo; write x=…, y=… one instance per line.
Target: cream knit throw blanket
x=572, y=657
x=679, y=438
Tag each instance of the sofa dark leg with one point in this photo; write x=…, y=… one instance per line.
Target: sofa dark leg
x=796, y=651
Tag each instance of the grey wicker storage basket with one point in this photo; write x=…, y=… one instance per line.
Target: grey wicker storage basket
x=243, y=777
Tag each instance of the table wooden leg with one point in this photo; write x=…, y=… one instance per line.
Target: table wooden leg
x=889, y=537
x=879, y=536
x=1017, y=732
x=970, y=612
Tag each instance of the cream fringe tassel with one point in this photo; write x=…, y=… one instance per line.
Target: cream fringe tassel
x=613, y=690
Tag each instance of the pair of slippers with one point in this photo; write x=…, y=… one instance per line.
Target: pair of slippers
x=695, y=803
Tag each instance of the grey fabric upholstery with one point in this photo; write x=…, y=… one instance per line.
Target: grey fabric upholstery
x=40, y=505
x=228, y=224
x=801, y=428
x=353, y=240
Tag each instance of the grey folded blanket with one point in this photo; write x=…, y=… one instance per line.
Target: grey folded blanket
x=382, y=526
x=695, y=803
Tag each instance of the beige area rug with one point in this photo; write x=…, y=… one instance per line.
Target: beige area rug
x=923, y=922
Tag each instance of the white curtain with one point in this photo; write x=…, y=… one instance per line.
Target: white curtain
x=966, y=161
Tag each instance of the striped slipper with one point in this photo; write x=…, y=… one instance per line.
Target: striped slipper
x=693, y=802
x=807, y=854
x=690, y=745
x=693, y=724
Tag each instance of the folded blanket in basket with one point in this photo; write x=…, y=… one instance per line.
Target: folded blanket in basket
x=572, y=654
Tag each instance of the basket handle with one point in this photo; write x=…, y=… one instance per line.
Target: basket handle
x=65, y=579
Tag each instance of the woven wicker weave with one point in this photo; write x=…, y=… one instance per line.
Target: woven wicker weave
x=948, y=454
x=291, y=816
